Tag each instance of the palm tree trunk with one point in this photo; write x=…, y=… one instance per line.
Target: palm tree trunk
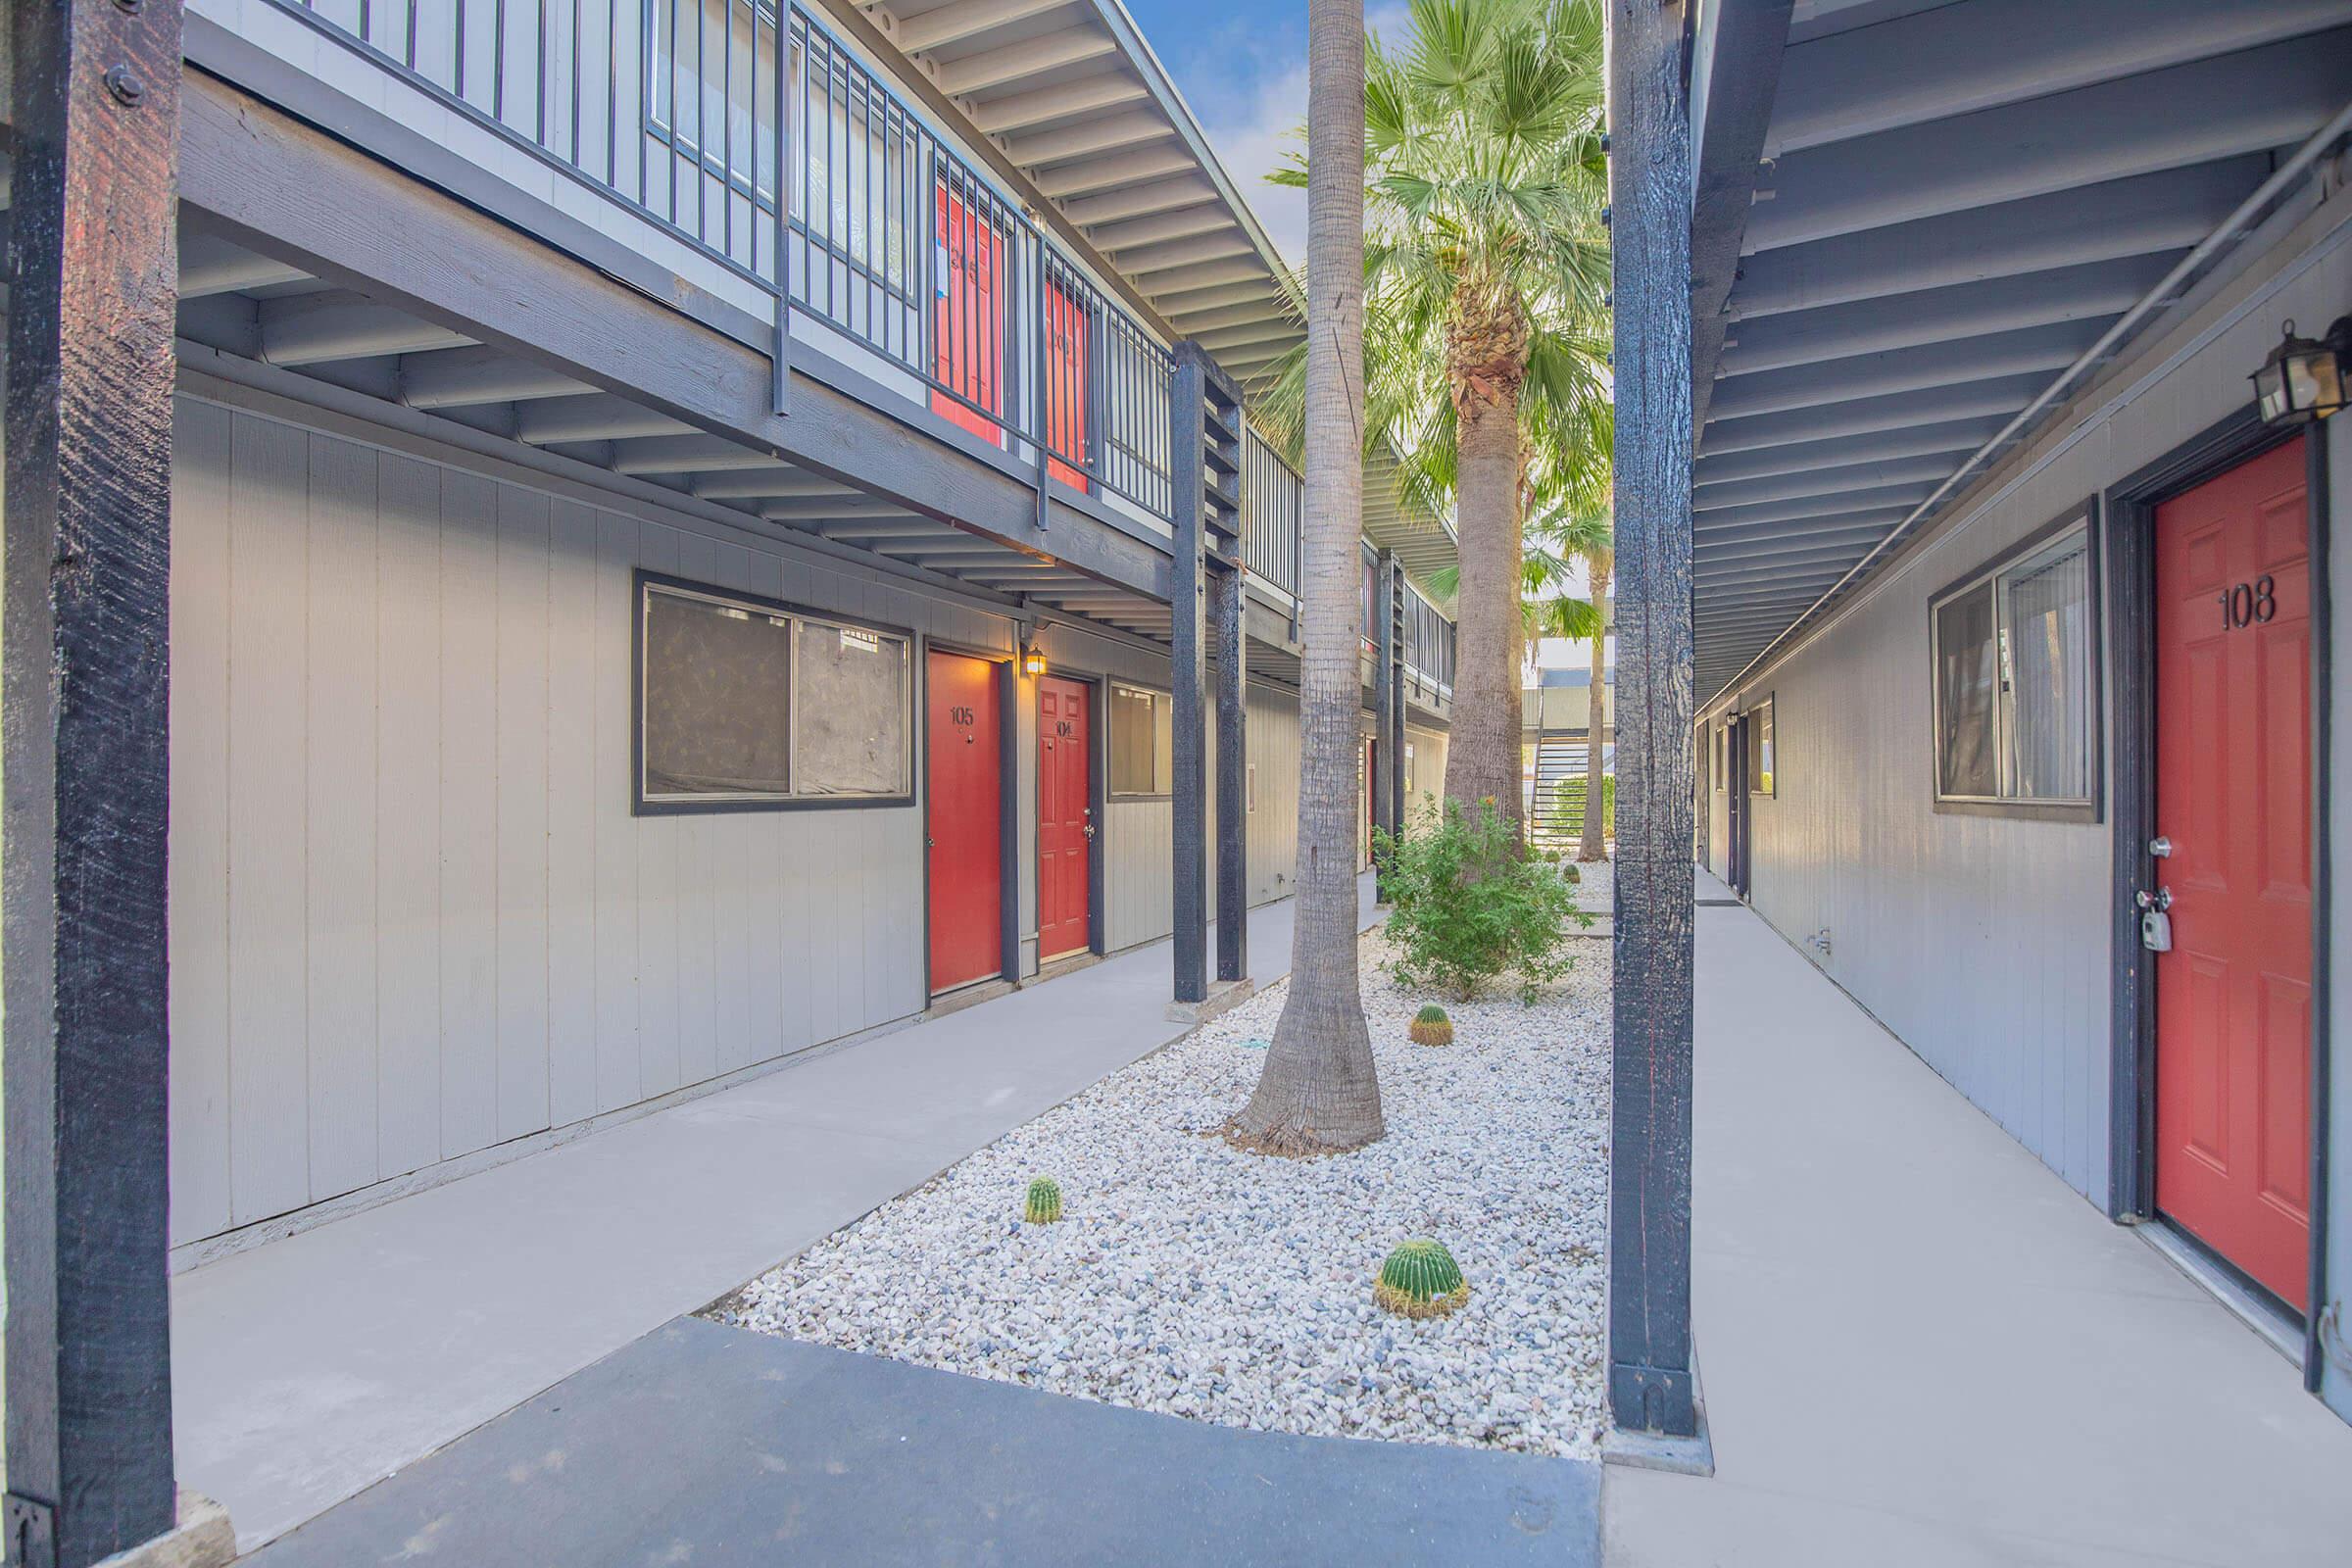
x=1483, y=761
x=1602, y=564
x=1319, y=1091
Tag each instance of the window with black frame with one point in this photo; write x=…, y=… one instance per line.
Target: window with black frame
x=742, y=702
x=1141, y=742
x=2013, y=652
x=1761, y=780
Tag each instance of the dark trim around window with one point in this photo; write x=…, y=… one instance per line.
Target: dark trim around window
x=2088, y=515
x=640, y=806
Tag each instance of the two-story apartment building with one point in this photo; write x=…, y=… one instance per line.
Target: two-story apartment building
x=697, y=529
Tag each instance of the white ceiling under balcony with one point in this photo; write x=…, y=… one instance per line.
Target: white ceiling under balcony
x=1941, y=225
x=1072, y=96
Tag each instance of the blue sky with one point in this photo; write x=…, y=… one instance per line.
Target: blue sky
x=1242, y=66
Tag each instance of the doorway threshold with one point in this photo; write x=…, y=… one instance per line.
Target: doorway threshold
x=2270, y=1319
x=962, y=997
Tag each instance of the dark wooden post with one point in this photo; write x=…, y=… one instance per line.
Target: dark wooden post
x=1186, y=451
x=84, y=676
x=1393, y=737
x=1650, y=1386
x=1387, y=697
x=1231, y=608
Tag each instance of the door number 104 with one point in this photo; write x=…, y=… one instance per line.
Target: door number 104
x=2249, y=602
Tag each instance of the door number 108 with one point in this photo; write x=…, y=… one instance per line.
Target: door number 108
x=2249, y=602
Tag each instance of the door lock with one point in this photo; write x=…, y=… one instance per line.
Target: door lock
x=2155, y=920
x=2160, y=847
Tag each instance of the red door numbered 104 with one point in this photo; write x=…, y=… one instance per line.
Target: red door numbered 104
x=1065, y=816
x=2234, y=1108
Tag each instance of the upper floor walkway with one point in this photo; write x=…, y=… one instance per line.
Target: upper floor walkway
x=893, y=281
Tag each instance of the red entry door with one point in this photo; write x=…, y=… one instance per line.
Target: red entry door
x=2234, y=794
x=1066, y=816
x=1065, y=383
x=967, y=315
x=964, y=800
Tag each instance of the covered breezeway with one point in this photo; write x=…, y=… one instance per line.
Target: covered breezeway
x=1920, y=1347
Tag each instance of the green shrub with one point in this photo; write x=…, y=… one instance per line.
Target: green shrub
x=1043, y=1205
x=1472, y=903
x=1420, y=1279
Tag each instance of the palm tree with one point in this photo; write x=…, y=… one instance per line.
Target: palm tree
x=1486, y=334
x=1319, y=1091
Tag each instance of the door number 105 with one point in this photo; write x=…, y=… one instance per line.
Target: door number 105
x=2249, y=602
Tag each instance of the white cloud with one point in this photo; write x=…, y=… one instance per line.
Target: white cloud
x=1247, y=82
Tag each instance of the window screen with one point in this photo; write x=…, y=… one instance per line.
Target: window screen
x=2046, y=678
x=718, y=699
x=2014, y=655
x=851, y=692
x=742, y=701
x=1141, y=761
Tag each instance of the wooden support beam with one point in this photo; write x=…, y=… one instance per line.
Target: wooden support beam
x=1650, y=1383
x=1385, y=667
x=85, y=678
x=1188, y=672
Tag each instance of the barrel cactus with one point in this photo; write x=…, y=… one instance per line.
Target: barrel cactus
x=1043, y=1205
x=1430, y=1027
x=1421, y=1278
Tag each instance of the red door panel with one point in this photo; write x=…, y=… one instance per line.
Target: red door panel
x=1065, y=816
x=2232, y=794
x=964, y=804
x=968, y=327
x=1065, y=383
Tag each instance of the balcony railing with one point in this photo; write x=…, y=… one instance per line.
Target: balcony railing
x=813, y=182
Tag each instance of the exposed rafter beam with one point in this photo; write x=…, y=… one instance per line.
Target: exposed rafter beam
x=1805, y=507
x=2097, y=291
x=337, y=324
x=210, y=266
x=2001, y=396
x=1084, y=179
x=1824, y=482
x=1032, y=57
x=1000, y=117
x=1186, y=252
x=445, y=379
x=685, y=454
x=1956, y=59
x=2169, y=211
x=1250, y=269
x=2243, y=103
x=1209, y=218
x=1179, y=308
x=1912, y=441
x=2041, y=349
x=1141, y=201
x=590, y=417
x=968, y=19
x=777, y=484
x=1090, y=140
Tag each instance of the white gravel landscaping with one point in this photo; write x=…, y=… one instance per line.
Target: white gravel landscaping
x=1191, y=1278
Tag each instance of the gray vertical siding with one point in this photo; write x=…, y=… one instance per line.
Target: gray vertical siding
x=413, y=916
x=1983, y=942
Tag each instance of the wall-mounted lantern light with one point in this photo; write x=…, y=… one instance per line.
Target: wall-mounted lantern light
x=1033, y=659
x=2303, y=379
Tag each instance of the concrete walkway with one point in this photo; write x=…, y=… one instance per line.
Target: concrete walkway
x=718, y=1448
x=307, y=1368
x=1919, y=1347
